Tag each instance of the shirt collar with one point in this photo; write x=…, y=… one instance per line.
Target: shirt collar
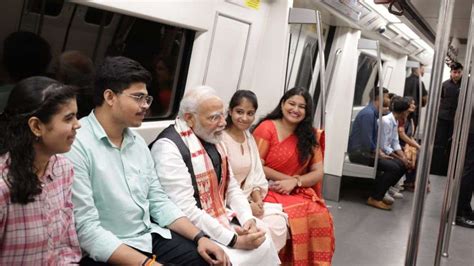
x=392, y=119
x=372, y=107
x=99, y=132
x=49, y=173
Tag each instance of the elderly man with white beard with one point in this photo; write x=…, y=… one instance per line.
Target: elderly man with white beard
x=191, y=163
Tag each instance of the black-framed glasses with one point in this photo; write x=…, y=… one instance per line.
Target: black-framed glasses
x=141, y=99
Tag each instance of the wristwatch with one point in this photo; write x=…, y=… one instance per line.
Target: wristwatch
x=200, y=235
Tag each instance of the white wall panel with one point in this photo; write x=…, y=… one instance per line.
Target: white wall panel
x=227, y=55
x=340, y=98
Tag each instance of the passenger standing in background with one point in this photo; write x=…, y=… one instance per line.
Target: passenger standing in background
x=464, y=214
x=192, y=164
x=445, y=126
x=412, y=89
x=76, y=68
x=25, y=54
x=406, y=131
x=122, y=214
x=246, y=165
x=362, y=149
x=36, y=212
x=293, y=162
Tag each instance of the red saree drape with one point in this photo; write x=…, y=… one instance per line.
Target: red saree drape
x=312, y=232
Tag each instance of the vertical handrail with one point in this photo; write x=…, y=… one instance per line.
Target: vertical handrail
x=380, y=124
x=458, y=152
x=294, y=57
x=322, y=69
x=39, y=30
x=441, y=47
x=420, y=103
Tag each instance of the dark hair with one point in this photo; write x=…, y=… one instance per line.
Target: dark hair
x=375, y=92
x=117, y=74
x=456, y=66
x=237, y=99
x=25, y=54
x=304, y=131
x=400, y=104
x=40, y=97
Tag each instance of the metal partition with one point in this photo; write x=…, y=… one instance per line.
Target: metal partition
x=441, y=47
x=458, y=152
x=302, y=16
x=355, y=169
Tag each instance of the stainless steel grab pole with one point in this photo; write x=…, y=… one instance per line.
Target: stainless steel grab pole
x=441, y=47
x=322, y=69
x=380, y=124
x=461, y=133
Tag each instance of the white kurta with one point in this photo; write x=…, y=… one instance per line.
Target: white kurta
x=274, y=218
x=176, y=181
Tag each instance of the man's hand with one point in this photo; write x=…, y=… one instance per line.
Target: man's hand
x=212, y=253
x=250, y=240
x=249, y=227
x=382, y=155
x=257, y=208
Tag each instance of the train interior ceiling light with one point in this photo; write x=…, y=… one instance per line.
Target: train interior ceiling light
x=372, y=15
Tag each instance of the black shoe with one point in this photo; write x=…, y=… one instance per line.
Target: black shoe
x=464, y=222
x=470, y=216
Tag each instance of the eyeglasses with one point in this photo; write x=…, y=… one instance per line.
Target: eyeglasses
x=141, y=99
x=214, y=118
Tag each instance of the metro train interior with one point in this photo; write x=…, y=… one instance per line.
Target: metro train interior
x=337, y=49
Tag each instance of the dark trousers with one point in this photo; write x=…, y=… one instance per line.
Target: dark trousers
x=175, y=251
x=389, y=171
x=442, y=147
x=410, y=176
x=467, y=181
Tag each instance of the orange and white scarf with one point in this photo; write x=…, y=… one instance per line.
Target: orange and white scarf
x=211, y=193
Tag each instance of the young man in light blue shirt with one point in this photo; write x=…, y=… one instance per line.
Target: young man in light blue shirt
x=122, y=214
x=389, y=140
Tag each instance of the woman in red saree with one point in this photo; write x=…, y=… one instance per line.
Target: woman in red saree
x=293, y=162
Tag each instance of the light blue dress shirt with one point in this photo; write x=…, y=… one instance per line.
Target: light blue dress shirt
x=389, y=138
x=115, y=192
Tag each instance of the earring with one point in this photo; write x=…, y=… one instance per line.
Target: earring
x=37, y=138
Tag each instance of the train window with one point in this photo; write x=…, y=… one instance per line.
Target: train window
x=85, y=40
x=98, y=17
x=366, y=79
x=47, y=7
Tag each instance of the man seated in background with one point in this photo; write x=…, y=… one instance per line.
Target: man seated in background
x=122, y=214
x=191, y=163
x=363, y=146
x=25, y=54
x=76, y=68
x=389, y=142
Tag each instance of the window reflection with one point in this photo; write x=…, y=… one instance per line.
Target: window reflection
x=162, y=49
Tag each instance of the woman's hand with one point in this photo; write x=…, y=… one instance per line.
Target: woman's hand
x=285, y=186
x=257, y=208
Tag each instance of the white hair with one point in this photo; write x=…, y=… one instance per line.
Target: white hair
x=194, y=97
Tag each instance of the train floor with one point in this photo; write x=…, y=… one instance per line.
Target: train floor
x=368, y=236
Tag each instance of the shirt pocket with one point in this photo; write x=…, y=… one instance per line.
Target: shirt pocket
x=139, y=181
